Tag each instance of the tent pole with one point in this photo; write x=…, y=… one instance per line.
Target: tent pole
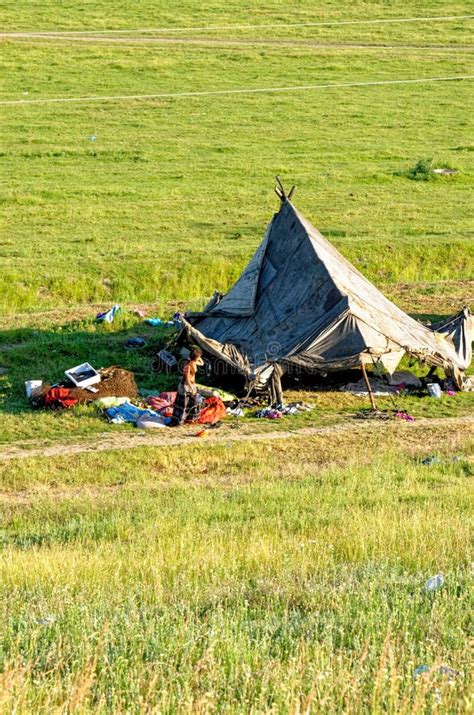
x=369, y=389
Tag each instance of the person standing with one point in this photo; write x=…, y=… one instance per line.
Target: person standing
x=186, y=403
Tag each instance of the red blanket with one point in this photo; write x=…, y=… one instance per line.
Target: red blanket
x=59, y=397
x=212, y=411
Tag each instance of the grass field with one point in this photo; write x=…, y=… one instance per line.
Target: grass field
x=238, y=579
x=253, y=571
x=173, y=195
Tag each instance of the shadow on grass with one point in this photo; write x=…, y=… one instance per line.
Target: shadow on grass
x=44, y=354
x=36, y=354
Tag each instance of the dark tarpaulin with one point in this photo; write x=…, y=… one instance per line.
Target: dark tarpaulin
x=299, y=301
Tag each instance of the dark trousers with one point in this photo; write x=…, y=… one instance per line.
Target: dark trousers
x=185, y=406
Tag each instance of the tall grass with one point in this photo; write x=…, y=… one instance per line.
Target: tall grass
x=299, y=592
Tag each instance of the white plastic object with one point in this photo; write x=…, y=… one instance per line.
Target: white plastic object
x=434, y=583
x=83, y=375
x=31, y=386
x=434, y=389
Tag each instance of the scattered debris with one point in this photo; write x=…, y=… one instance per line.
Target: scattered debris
x=157, y=322
x=449, y=672
x=269, y=414
x=444, y=670
x=164, y=362
x=134, y=343
x=236, y=411
x=293, y=408
x=3, y=371
x=211, y=410
x=114, y=382
x=46, y=621
x=403, y=415
x=206, y=391
x=32, y=387
x=162, y=403
x=432, y=459
x=112, y=401
x=147, y=421
x=434, y=583
x=59, y=398
x=445, y=171
x=421, y=670
x=109, y=315
x=127, y=413
x=434, y=390
x=83, y=375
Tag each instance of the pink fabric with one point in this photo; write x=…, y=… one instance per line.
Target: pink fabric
x=163, y=403
x=404, y=416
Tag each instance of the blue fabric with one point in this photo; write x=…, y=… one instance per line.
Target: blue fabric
x=109, y=315
x=155, y=322
x=126, y=413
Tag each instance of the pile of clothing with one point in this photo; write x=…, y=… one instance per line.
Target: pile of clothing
x=162, y=403
x=276, y=413
x=157, y=410
x=139, y=416
x=269, y=413
x=116, y=395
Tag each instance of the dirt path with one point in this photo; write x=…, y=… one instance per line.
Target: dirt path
x=169, y=438
x=216, y=42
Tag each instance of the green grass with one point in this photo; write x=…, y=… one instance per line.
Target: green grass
x=257, y=576
x=174, y=195
x=44, y=353
x=98, y=15
x=229, y=580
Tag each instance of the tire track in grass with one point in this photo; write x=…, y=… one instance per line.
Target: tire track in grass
x=228, y=42
x=261, y=26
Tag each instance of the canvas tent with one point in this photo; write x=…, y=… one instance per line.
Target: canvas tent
x=299, y=302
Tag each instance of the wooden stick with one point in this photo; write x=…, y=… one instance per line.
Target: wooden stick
x=282, y=189
x=369, y=389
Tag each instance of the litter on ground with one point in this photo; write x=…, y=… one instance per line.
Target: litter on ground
x=134, y=343
x=108, y=315
x=157, y=322
x=434, y=583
